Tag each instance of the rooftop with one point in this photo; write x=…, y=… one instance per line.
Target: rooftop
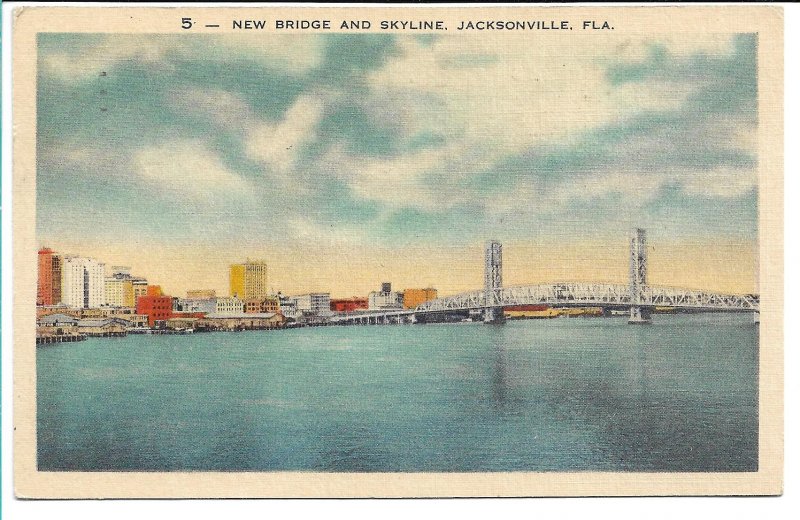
x=240, y=315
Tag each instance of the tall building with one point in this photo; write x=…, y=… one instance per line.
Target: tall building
x=83, y=282
x=119, y=292
x=119, y=287
x=249, y=280
x=48, y=290
x=57, y=270
x=414, y=297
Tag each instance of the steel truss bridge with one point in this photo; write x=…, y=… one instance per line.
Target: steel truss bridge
x=637, y=297
x=613, y=296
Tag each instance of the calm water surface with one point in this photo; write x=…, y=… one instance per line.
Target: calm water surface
x=549, y=395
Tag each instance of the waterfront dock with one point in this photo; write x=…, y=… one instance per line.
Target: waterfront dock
x=59, y=338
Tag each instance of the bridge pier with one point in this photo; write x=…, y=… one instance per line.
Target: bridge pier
x=757, y=318
x=639, y=316
x=494, y=315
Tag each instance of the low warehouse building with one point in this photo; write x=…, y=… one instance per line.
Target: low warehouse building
x=241, y=321
x=104, y=327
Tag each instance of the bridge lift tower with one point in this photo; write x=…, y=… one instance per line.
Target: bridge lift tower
x=493, y=280
x=640, y=313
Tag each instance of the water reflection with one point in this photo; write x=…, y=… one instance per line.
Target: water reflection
x=500, y=390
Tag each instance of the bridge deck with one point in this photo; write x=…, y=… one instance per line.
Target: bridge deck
x=571, y=294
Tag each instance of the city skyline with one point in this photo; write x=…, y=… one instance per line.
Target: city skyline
x=345, y=161
x=667, y=263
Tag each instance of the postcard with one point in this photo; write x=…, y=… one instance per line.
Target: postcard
x=397, y=251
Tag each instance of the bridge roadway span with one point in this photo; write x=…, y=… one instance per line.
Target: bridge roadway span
x=609, y=296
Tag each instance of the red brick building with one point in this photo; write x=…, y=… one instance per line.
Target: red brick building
x=48, y=290
x=157, y=308
x=349, y=304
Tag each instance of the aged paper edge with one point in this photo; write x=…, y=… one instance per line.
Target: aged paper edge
x=30, y=483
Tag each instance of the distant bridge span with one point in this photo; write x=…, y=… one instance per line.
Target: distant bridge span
x=568, y=294
x=637, y=296
x=572, y=294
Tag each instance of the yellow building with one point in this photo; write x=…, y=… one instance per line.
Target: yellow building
x=414, y=297
x=139, y=289
x=128, y=299
x=113, y=292
x=249, y=280
x=119, y=292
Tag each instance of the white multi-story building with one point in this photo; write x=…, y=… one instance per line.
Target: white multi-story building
x=288, y=305
x=230, y=305
x=314, y=304
x=385, y=298
x=83, y=282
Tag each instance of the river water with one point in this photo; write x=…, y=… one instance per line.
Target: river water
x=536, y=395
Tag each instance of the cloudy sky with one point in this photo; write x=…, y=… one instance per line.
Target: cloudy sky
x=348, y=160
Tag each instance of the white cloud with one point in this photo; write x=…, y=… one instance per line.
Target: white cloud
x=188, y=169
x=651, y=94
x=533, y=198
x=532, y=91
x=278, y=144
x=395, y=182
x=304, y=230
x=403, y=180
x=712, y=44
x=293, y=54
x=639, y=187
x=84, y=63
x=721, y=182
x=528, y=92
x=75, y=155
x=222, y=108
